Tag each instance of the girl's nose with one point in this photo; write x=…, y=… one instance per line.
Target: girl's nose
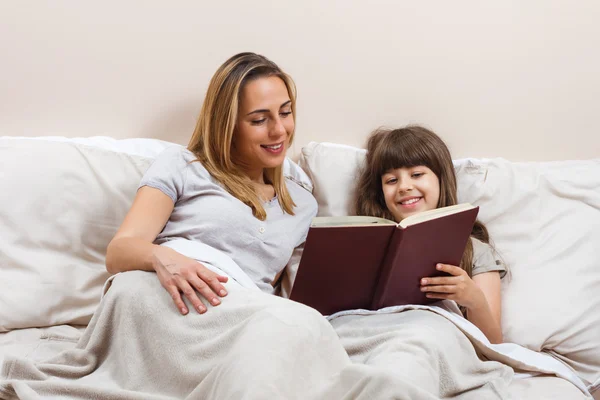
x=405, y=185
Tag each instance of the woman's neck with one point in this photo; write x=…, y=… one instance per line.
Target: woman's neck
x=256, y=176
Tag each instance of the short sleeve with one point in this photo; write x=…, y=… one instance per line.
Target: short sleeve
x=293, y=172
x=167, y=173
x=485, y=259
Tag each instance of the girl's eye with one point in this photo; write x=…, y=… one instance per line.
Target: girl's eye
x=285, y=114
x=417, y=174
x=391, y=181
x=258, y=121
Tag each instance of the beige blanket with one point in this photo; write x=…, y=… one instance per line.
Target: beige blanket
x=254, y=346
x=138, y=346
x=419, y=348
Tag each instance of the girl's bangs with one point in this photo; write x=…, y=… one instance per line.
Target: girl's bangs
x=400, y=155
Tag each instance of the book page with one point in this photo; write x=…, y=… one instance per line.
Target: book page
x=433, y=214
x=353, y=220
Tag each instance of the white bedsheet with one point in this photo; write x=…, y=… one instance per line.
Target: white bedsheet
x=38, y=343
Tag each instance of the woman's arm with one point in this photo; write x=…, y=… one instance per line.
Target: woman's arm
x=132, y=249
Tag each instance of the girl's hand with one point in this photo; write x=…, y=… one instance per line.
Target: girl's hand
x=458, y=287
x=180, y=274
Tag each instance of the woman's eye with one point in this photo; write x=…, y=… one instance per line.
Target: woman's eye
x=285, y=114
x=258, y=121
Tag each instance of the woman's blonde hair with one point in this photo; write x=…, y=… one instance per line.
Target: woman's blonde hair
x=408, y=147
x=213, y=137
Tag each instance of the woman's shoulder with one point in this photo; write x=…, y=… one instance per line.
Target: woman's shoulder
x=182, y=158
x=173, y=170
x=296, y=176
x=176, y=152
x=297, y=181
x=300, y=187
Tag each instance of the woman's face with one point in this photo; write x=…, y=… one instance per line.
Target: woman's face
x=408, y=191
x=264, y=126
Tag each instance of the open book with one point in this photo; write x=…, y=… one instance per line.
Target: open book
x=370, y=263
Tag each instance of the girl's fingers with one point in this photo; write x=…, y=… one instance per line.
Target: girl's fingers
x=439, y=289
x=439, y=296
x=439, y=280
x=451, y=269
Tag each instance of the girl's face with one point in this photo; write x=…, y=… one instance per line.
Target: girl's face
x=264, y=125
x=408, y=191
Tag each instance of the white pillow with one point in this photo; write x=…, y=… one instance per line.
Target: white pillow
x=61, y=202
x=143, y=147
x=544, y=219
x=333, y=169
x=60, y=205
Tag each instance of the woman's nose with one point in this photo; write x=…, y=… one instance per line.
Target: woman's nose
x=278, y=129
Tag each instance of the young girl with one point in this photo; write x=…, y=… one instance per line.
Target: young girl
x=410, y=170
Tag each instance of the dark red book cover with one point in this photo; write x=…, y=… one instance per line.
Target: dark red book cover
x=413, y=254
x=340, y=267
x=378, y=265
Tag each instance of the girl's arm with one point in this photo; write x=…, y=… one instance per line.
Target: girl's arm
x=480, y=296
x=486, y=313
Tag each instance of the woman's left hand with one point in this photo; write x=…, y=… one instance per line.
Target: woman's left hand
x=458, y=287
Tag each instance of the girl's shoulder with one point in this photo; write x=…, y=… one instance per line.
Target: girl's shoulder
x=486, y=259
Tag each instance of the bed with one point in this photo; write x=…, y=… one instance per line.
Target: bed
x=68, y=196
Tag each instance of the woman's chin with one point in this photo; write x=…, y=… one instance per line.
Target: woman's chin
x=274, y=162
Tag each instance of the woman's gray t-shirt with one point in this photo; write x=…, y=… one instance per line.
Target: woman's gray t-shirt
x=205, y=212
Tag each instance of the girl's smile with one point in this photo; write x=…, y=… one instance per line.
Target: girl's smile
x=410, y=190
x=410, y=202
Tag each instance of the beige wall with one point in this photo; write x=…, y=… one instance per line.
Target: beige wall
x=516, y=79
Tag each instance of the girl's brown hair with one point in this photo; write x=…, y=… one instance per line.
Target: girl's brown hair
x=213, y=137
x=409, y=147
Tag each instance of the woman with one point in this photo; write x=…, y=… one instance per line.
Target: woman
x=225, y=192
x=226, y=189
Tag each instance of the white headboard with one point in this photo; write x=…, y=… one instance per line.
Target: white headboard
x=513, y=79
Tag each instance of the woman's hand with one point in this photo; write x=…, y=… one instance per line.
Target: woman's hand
x=180, y=274
x=458, y=287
